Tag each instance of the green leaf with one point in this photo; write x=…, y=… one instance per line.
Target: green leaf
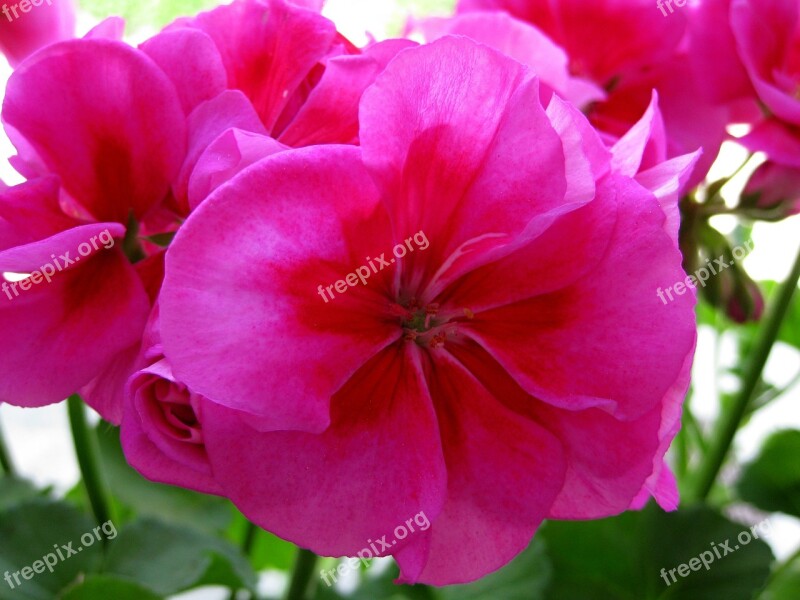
x=175, y=505
x=772, y=481
x=102, y=587
x=39, y=530
x=630, y=557
x=168, y=559
x=14, y=491
x=524, y=578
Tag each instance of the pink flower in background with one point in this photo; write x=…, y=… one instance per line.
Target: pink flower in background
x=627, y=48
x=66, y=329
x=523, y=42
x=24, y=32
x=768, y=39
x=265, y=67
x=522, y=367
x=775, y=187
x=106, y=121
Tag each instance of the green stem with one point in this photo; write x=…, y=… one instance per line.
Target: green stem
x=88, y=455
x=730, y=420
x=249, y=539
x=301, y=576
x=6, y=466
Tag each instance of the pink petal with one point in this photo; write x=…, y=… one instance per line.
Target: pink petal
x=150, y=445
x=457, y=153
x=206, y=123
x=522, y=42
x=111, y=28
x=336, y=491
x=102, y=117
x=268, y=48
x=190, y=59
x=765, y=34
x=330, y=114
x=262, y=312
x=645, y=144
x=590, y=344
x=66, y=332
x=499, y=487
x=668, y=181
x=30, y=212
x=31, y=30
x=607, y=461
x=229, y=154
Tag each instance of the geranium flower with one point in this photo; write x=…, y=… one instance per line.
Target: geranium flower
x=520, y=367
x=628, y=48
x=269, y=67
x=104, y=119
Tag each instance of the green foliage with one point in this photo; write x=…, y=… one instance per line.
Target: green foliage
x=622, y=558
x=35, y=528
x=14, y=491
x=168, y=559
x=772, y=481
x=136, y=495
x=103, y=587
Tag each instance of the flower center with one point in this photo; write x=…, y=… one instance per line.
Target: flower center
x=427, y=325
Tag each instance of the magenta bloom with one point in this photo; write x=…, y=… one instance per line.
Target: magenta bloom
x=270, y=68
x=45, y=22
x=628, y=48
x=520, y=366
x=106, y=121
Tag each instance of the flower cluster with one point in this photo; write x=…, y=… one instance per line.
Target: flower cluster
x=521, y=368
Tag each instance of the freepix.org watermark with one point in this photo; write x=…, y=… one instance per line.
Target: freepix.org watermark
x=376, y=548
x=703, y=274
x=363, y=272
x=45, y=273
x=660, y=4
x=61, y=553
x=25, y=6
x=718, y=552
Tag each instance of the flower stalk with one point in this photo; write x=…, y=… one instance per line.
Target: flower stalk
x=301, y=575
x=6, y=466
x=88, y=455
x=731, y=420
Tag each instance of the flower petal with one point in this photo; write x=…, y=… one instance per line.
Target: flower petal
x=104, y=118
x=378, y=464
x=503, y=473
x=242, y=302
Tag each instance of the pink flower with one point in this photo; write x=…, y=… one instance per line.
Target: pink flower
x=523, y=42
x=521, y=367
x=775, y=188
x=45, y=22
x=768, y=38
x=628, y=48
x=267, y=67
x=161, y=433
x=772, y=67
x=106, y=121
